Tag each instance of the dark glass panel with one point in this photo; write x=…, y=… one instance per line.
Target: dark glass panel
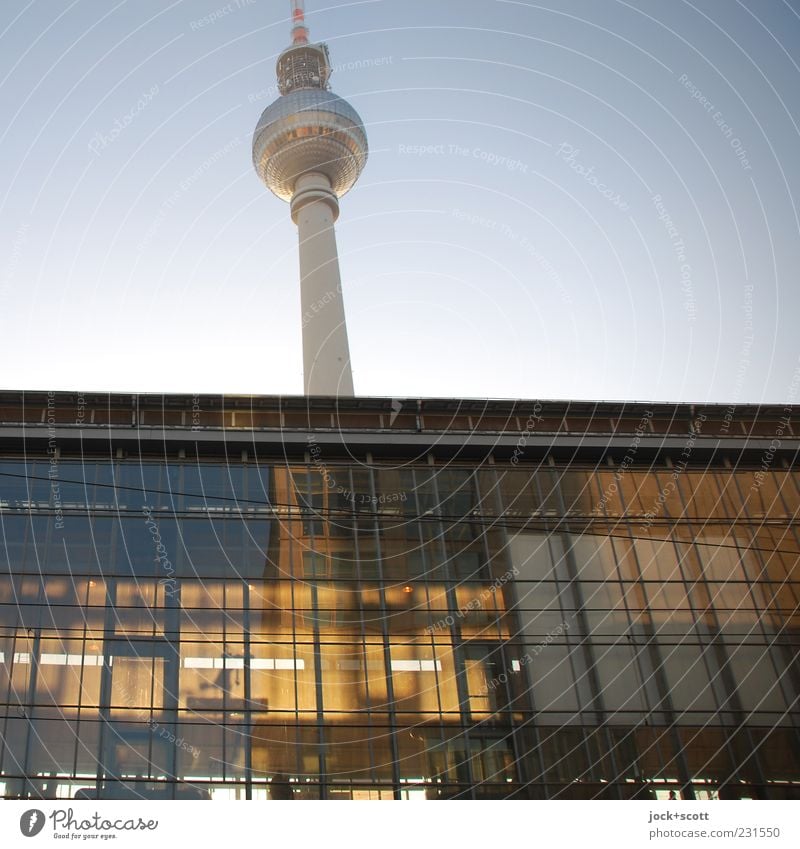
x=594, y=557
x=689, y=685
x=779, y=753
x=620, y=683
x=756, y=680
x=608, y=501
x=358, y=754
x=564, y=755
x=701, y=495
x=52, y=754
x=517, y=492
x=70, y=549
x=68, y=674
x=707, y=754
x=578, y=492
x=146, y=546
x=12, y=752
x=141, y=484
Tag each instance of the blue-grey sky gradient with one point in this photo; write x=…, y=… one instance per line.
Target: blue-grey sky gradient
x=564, y=199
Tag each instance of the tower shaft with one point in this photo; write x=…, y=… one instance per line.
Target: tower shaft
x=326, y=352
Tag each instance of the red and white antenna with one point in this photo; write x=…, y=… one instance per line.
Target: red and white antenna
x=299, y=28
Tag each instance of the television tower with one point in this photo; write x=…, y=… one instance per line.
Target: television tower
x=309, y=148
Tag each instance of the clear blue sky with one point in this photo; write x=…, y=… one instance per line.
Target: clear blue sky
x=605, y=206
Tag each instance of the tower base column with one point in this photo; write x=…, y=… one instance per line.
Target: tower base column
x=326, y=353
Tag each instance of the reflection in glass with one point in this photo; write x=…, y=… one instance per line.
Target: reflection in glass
x=500, y=632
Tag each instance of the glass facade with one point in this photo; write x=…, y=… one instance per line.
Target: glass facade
x=269, y=630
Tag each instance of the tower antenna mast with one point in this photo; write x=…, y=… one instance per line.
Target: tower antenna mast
x=299, y=28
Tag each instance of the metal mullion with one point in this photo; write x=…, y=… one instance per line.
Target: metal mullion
x=248, y=700
x=781, y=680
x=284, y=525
x=666, y=708
x=436, y=678
x=427, y=572
x=81, y=679
x=21, y=709
x=387, y=653
x=565, y=544
x=11, y=640
x=587, y=642
x=741, y=725
x=715, y=642
x=33, y=681
x=152, y=704
x=632, y=642
x=34, y=634
x=792, y=528
x=225, y=679
x=172, y=633
x=292, y=587
x=795, y=586
x=501, y=644
x=455, y=636
x=674, y=523
x=765, y=581
x=359, y=583
x=104, y=709
x=488, y=560
x=530, y=722
x=318, y=683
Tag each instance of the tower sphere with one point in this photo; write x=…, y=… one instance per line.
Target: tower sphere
x=309, y=130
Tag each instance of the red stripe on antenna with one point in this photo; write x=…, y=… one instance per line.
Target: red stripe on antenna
x=299, y=29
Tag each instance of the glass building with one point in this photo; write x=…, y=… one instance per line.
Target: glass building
x=292, y=598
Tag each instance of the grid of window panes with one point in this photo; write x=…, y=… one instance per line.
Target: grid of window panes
x=213, y=630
